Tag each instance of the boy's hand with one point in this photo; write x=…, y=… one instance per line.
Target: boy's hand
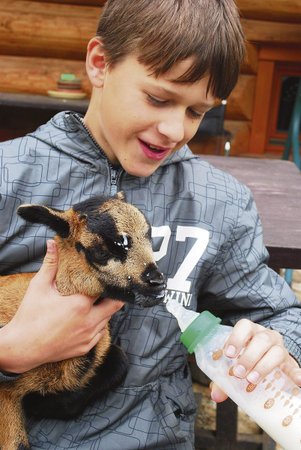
x=51, y=327
x=259, y=351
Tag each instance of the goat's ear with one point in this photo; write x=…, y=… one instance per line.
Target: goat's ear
x=121, y=196
x=46, y=216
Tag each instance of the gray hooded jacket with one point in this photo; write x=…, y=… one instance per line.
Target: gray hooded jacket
x=207, y=240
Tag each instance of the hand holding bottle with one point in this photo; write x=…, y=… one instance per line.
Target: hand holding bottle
x=274, y=401
x=258, y=351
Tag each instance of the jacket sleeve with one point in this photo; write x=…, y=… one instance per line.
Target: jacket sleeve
x=4, y=376
x=243, y=286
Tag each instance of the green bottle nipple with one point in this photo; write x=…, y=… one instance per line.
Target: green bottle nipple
x=204, y=324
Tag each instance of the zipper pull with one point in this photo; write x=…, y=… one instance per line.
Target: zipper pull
x=114, y=177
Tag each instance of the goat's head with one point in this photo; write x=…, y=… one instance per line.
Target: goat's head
x=105, y=249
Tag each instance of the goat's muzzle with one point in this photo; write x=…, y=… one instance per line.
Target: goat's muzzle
x=155, y=286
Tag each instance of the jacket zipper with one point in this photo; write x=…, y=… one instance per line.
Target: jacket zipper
x=114, y=173
x=88, y=132
x=114, y=179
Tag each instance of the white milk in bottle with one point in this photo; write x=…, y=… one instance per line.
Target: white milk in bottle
x=274, y=404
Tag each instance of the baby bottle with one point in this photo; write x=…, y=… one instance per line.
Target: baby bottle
x=274, y=404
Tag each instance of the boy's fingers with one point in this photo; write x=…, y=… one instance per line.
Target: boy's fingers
x=263, y=365
x=109, y=306
x=240, y=336
x=217, y=394
x=49, y=267
x=292, y=370
x=252, y=338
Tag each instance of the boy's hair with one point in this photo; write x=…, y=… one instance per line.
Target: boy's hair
x=163, y=32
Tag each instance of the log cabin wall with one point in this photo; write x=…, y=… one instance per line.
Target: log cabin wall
x=273, y=33
x=40, y=39
x=273, y=30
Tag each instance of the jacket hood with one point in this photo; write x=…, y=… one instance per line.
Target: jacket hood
x=74, y=139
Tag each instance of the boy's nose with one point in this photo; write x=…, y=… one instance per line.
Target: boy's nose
x=172, y=128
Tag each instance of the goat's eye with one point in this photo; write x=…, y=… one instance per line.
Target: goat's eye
x=119, y=246
x=122, y=242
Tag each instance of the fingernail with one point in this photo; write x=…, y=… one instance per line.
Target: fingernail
x=239, y=371
x=230, y=351
x=253, y=377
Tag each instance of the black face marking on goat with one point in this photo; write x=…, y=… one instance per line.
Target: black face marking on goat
x=113, y=244
x=93, y=255
x=101, y=224
x=121, y=294
x=104, y=225
x=90, y=205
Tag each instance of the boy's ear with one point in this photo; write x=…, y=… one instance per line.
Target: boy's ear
x=42, y=214
x=96, y=62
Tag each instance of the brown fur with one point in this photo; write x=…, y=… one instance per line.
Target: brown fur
x=77, y=274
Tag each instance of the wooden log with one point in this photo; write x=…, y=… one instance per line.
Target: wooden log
x=58, y=30
x=272, y=32
x=280, y=53
x=37, y=75
x=34, y=28
x=279, y=11
x=29, y=28
x=250, y=65
x=240, y=102
x=50, y=8
x=75, y=2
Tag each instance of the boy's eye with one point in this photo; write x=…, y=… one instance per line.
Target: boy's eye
x=119, y=246
x=195, y=114
x=155, y=100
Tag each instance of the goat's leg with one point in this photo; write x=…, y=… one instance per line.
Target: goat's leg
x=70, y=404
x=13, y=435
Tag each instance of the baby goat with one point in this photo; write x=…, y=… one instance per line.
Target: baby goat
x=104, y=250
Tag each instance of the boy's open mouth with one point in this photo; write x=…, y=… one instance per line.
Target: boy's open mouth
x=154, y=148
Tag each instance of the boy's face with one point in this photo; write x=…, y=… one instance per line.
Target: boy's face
x=139, y=120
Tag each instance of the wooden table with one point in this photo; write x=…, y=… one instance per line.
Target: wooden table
x=276, y=186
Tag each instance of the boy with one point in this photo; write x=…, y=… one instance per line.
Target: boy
x=156, y=67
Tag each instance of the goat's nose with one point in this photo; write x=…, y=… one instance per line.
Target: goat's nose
x=153, y=276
